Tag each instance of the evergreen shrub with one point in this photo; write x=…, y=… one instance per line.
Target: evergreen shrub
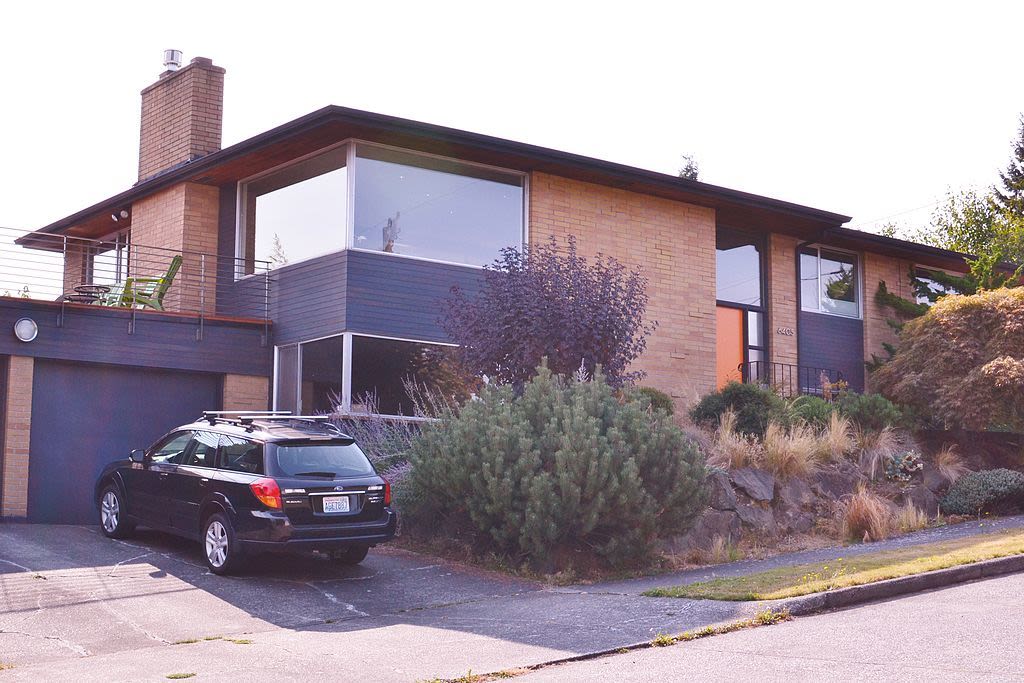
x=1000, y=490
x=755, y=407
x=561, y=475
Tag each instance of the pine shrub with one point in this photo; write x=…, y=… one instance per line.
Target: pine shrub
x=871, y=412
x=563, y=473
x=754, y=406
x=659, y=400
x=1000, y=490
x=813, y=410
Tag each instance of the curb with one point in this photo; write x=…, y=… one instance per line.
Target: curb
x=905, y=585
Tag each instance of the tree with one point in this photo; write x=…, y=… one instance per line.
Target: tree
x=690, y=170
x=277, y=256
x=542, y=303
x=962, y=362
x=1010, y=197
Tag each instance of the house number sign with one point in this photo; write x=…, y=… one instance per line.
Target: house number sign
x=785, y=331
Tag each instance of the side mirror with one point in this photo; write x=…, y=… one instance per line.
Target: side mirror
x=138, y=455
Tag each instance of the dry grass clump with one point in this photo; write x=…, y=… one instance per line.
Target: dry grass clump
x=876, y=448
x=949, y=464
x=791, y=452
x=910, y=518
x=731, y=449
x=837, y=437
x=866, y=517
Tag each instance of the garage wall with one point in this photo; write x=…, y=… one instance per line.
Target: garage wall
x=86, y=415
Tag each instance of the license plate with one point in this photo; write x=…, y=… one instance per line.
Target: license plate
x=336, y=504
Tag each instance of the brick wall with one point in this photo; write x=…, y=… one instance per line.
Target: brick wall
x=673, y=243
x=17, y=425
x=246, y=392
x=783, y=303
x=180, y=219
x=181, y=117
x=895, y=273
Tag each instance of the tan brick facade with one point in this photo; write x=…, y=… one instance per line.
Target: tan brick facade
x=896, y=274
x=181, y=117
x=181, y=219
x=17, y=431
x=246, y=392
x=783, y=302
x=673, y=243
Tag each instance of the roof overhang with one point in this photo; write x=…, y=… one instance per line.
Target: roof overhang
x=333, y=124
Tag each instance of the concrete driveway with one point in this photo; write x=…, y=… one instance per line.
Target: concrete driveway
x=76, y=605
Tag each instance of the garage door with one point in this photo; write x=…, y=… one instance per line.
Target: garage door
x=84, y=416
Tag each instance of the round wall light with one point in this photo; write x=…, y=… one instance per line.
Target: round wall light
x=26, y=329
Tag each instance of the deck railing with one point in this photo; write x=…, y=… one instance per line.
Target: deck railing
x=81, y=272
x=793, y=380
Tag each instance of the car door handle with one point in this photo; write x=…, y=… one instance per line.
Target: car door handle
x=164, y=475
x=203, y=481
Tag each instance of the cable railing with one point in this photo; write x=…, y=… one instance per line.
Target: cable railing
x=793, y=380
x=120, y=274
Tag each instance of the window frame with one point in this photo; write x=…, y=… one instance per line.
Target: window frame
x=349, y=237
x=346, y=368
x=858, y=264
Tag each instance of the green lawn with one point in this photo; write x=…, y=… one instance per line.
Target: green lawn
x=788, y=582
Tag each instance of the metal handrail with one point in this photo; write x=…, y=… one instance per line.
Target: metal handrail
x=204, y=285
x=788, y=379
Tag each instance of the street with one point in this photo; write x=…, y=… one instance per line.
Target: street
x=970, y=632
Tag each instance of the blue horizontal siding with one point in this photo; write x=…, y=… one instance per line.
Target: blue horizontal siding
x=100, y=335
x=308, y=298
x=834, y=343
x=401, y=297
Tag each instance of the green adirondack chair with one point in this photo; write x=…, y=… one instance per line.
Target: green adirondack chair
x=148, y=292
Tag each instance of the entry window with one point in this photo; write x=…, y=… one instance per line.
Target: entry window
x=738, y=267
x=295, y=213
x=436, y=209
x=829, y=282
x=172, y=449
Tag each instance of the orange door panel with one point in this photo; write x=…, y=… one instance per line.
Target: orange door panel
x=729, y=346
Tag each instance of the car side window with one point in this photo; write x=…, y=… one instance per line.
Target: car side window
x=241, y=455
x=202, y=450
x=172, y=449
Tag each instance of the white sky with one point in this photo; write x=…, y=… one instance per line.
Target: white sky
x=871, y=109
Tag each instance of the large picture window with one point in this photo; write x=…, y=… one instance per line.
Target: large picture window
x=369, y=197
x=435, y=209
x=380, y=372
x=295, y=213
x=829, y=282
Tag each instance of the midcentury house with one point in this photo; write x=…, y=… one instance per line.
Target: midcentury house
x=304, y=268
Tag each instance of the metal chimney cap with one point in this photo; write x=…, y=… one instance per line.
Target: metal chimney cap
x=172, y=60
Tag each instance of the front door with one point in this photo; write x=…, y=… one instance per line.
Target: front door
x=730, y=345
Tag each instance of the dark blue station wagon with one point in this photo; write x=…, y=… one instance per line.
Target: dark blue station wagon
x=247, y=483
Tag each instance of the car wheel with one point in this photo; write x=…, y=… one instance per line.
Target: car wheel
x=220, y=547
x=113, y=521
x=353, y=555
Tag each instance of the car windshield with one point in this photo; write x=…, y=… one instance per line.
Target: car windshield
x=322, y=460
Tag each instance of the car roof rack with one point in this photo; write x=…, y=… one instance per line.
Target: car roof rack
x=245, y=418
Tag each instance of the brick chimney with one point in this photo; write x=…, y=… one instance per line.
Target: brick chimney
x=181, y=115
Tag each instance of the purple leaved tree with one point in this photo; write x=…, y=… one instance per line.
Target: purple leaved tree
x=543, y=302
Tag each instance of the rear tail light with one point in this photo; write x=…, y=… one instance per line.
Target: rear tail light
x=387, y=492
x=267, y=492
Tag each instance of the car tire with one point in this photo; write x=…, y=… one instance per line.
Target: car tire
x=114, y=522
x=221, y=549
x=350, y=556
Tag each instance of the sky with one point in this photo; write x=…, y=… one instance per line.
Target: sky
x=873, y=110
